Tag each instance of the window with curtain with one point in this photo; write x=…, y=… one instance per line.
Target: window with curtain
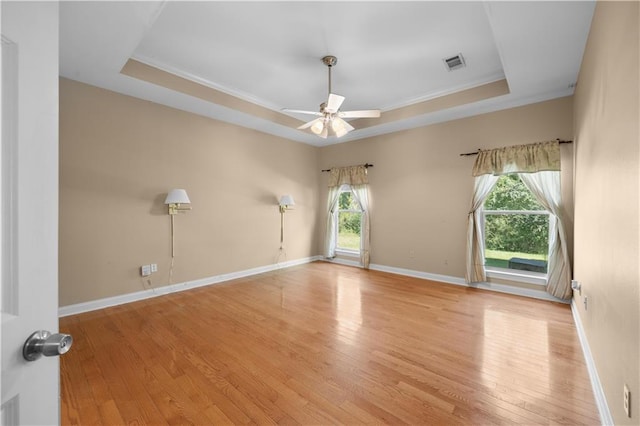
x=348, y=200
x=538, y=168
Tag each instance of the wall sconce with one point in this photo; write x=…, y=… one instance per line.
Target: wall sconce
x=176, y=198
x=286, y=202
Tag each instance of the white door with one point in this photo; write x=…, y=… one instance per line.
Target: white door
x=29, y=213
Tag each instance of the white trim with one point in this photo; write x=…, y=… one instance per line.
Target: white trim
x=93, y=305
x=208, y=83
x=9, y=180
x=521, y=276
x=598, y=392
x=501, y=288
x=418, y=274
x=345, y=262
x=490, y=78
x=447, y=279
x=159, y=291
x=515, y=212
x=152, y=62
x=347, y=252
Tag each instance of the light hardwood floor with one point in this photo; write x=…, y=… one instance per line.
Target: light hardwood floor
x=326, y=344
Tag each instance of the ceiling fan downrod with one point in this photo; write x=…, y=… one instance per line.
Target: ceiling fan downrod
x=330, y=61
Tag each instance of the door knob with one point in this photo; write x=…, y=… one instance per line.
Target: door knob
x=44, y=343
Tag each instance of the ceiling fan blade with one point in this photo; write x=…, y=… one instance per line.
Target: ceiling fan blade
x=299, y=111
x=367, y=113
x=310, y=123
x=348, y=126
x=333, y=103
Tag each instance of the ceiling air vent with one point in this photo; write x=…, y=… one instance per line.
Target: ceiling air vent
x=454, y=62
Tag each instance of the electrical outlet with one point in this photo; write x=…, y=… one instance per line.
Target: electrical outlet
x=412, y=254
x=585, y=300
x=145, y=270
x=627, y=400
x=154, y=267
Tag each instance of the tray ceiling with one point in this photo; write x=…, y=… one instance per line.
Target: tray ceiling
x=243, y=62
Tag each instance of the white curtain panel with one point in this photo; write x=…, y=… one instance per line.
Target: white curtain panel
x=330, y=234
x=361, y=193
x=546, y=188
x=475, y=240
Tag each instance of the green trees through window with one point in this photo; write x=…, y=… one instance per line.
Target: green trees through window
x=349, y=221
x=516, y=227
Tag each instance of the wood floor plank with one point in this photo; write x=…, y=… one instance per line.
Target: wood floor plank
x=327, y=344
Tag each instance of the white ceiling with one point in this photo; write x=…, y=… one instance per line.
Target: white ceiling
x=390, y=54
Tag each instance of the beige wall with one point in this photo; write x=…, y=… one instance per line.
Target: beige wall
x=421, y=187
x=119, y=156
x=607, y=216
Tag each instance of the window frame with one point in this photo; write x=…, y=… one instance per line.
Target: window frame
x=529, y=277
x=336, y=214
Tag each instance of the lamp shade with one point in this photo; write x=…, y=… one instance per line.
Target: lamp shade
x=177, y=196
x=337, y=125
x=317, y=127
x=287, y=200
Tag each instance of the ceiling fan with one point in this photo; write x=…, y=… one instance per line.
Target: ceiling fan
x=330, y=118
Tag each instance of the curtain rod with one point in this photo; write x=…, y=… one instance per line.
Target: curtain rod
x=366, y=166
x=476, y=153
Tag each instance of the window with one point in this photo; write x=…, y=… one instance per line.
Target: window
x=516, y=229
x=349, y=220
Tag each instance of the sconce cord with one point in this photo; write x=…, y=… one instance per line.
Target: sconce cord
x=281, y=228
x=173, y=253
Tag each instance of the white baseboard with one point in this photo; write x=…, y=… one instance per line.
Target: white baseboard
x=159, y=291
x=501, y=288
x=598, y=392
x=93, y=305
x=447, y=279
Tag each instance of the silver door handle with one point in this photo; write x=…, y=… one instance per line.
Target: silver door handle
x=44, y=343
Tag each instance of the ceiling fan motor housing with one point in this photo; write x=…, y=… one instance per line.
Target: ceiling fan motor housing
x=330, y=60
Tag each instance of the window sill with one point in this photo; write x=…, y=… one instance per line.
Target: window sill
x=347, y=253
x=521, y=276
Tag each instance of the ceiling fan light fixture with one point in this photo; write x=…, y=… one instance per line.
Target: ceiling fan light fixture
x=317, y=127
x=337, y=126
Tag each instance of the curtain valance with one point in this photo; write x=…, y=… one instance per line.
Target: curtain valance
x=352, y=175
x=536, y=157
